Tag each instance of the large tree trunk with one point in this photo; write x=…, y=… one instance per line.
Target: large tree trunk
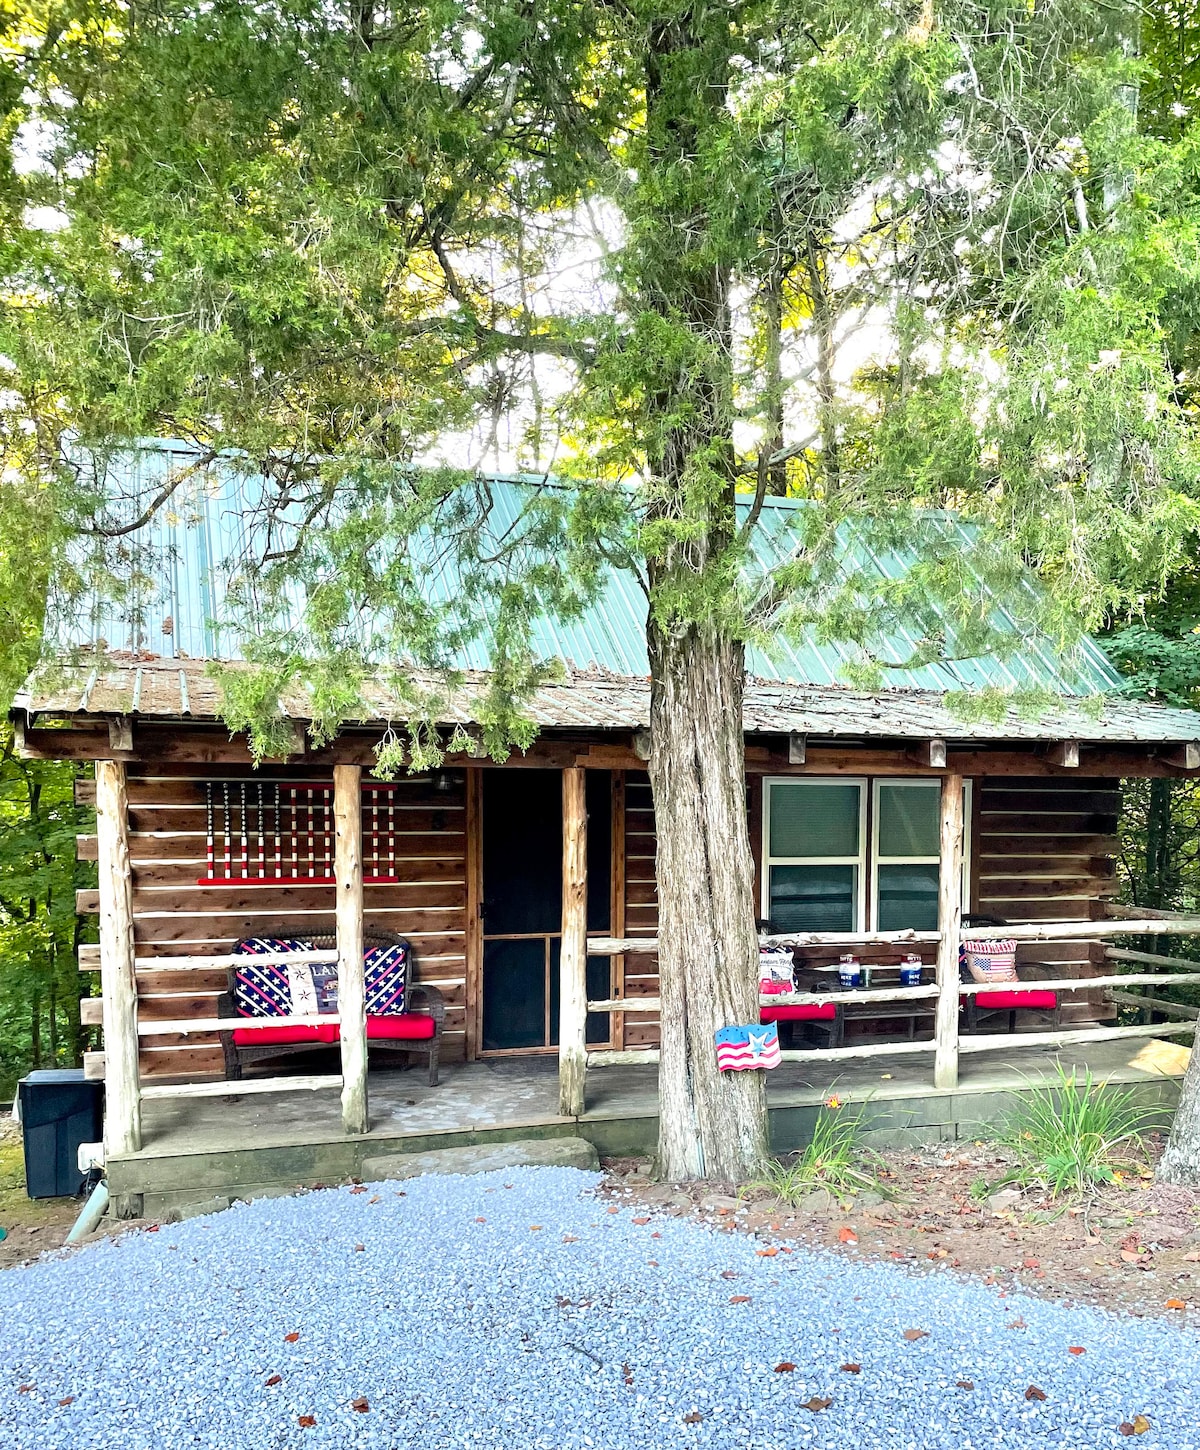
x=1181, y=1162
x=712, y=1124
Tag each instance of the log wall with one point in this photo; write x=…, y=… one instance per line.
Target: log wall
x=176, y=916
x=1040, y=849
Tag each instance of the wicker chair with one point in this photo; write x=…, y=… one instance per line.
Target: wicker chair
x=427, y=1000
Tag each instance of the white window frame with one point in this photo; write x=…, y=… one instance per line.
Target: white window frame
x=868, y=860
x=861, y=860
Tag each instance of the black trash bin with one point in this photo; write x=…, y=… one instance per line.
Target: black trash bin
x=59, y=1110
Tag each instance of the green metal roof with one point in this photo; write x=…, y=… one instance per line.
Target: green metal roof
x=199, y=544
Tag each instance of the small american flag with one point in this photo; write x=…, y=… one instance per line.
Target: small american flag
x=743, y=1047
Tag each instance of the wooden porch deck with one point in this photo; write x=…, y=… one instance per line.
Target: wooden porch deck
x=199, y=1148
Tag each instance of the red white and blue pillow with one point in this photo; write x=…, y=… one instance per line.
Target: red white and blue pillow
x=263, y=989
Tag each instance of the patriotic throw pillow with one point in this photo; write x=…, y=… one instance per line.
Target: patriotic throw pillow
x=743, y=1047
x=991, y=961
x=264, y=989
x=386, y=970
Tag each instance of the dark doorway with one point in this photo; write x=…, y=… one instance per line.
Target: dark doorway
x=522, y=905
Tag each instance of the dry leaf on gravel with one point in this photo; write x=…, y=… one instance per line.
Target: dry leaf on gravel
x=740, y=1299
x=292, y=1337
x=1034, y=1393
x=1076, y=1349
x=362, y=1404
x=851, y=1368
x=306, y=1422
x=67, y=1400
x=1176, y=1304
x=275, y=1379
x=965, y=1384
x=785, y=1366
x=693, y=1417
x=1137, y=1426
x=816, y=1404
x=914, y=1334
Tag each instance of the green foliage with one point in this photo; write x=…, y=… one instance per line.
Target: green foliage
x=835, y=1159
x=674, y=256
x=1067, y=1136
x=40, y=982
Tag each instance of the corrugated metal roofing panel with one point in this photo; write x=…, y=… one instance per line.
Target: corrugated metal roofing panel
x=201, y=539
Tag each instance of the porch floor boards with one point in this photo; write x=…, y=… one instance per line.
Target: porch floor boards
x=503, y=1095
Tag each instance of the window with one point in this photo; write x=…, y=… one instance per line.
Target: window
x=840, y=857
x=814, y=874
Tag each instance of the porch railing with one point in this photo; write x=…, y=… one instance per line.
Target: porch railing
x=1172, y=972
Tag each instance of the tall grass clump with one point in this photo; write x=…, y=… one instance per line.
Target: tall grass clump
x=835, y=1159
x=1067, y=1136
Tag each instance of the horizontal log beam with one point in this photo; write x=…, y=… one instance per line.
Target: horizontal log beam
x=1082, y=984
x=1074, y=930
x=243, y=1086
x=93, y=1066
x=1009, y=1041
x=1158, y=1004
x=631, y=1057
x=860, y=1049
x=91, y=1011
x=1151, y=959
x=787, y=999
x=86, y=848
x=607, y=946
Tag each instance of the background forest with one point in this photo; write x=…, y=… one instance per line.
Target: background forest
x=1137, y=86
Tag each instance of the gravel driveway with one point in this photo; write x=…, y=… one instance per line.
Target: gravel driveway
x=516, y=1310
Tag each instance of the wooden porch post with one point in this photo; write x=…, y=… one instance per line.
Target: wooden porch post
x=945, y=1033
x=572, y=1010
x=347, y=813
x=122, y=1093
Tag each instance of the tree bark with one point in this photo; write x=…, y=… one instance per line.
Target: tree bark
x=711, y=1124
x=1181, y=1161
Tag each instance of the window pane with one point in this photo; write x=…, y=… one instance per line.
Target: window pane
x=813, y=898
x=908, y=898
x=908, y=820
x=813, y=819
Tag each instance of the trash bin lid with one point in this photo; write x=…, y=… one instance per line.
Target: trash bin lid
x=55, y=1074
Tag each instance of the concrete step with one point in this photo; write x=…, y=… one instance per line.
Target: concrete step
x=484, y=1157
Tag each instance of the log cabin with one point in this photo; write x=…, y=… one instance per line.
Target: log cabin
x=888, y=825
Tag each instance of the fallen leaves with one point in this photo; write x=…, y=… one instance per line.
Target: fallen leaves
x=846, y=1235
x=358, y=1188
x=275, y=1379
x=1018, y=1323
x=26, y=1389
x=67, y=1400
x=912, y=1335
x=816, y=1404
x=740, y=1299
x=627, y=1373
x=785, y=1366
x=480, y=1219
x=362, y=1404
x=292, y=1337
x=535, y=1228
x=640, y=1221
x=1034, y=1393
x=306, y=1422
x=1176, y=1304
x=360, y=1248
x=1076, y=1349
x=965, y=1384
x=376, y=1199
x=1137, y=1426
x=570, y=1238
x=766, y=1253
x=693, y=1417
x=850, y=1368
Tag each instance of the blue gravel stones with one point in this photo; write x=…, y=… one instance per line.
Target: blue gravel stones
x=514, y=1310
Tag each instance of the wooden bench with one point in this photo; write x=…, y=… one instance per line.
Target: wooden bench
x=411, y=1033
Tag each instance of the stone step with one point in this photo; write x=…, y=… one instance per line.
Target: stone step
x=484, y=1157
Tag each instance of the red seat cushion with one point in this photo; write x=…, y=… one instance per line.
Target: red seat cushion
x=284, y=1036
x=1009, y=1001
x=798, y=1013
x=411, y=1027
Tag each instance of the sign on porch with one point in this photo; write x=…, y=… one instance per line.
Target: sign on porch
x=746, y=1047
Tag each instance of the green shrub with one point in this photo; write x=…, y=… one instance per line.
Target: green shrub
x=835, y=1159
x=1066, y=1135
